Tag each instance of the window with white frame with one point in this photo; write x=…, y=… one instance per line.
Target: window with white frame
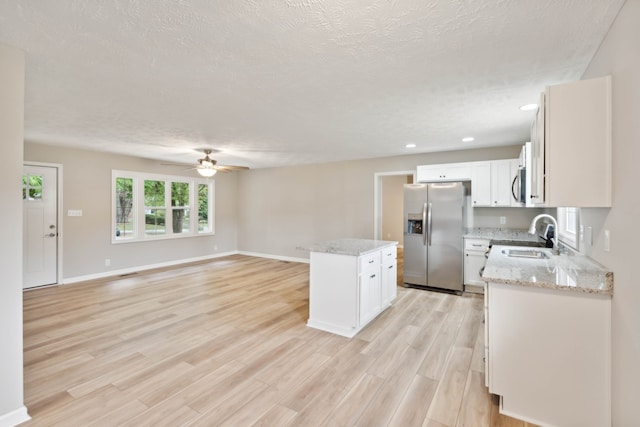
x=152, y=206
x=568, y=224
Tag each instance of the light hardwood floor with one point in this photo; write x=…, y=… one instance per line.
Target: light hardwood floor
x=224, y=343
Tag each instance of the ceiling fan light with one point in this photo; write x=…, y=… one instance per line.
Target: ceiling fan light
x=207, y=172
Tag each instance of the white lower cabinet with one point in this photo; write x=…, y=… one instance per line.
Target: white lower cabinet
x=369, y=288
x=346, y=292
x=389, y=276
x=474, y=260
x=549, y=355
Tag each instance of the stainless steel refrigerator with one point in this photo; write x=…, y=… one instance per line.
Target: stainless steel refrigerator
x=434, y=216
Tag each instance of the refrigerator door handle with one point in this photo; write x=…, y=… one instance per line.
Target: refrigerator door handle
x=430, y=226
x=424, y=223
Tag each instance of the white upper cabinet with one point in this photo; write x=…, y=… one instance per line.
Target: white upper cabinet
x=444, y=172
x=571, y=145
x=481, y=184
x=501, y=183
x=491, y=183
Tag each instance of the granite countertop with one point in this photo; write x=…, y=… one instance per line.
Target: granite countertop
x=502, y=234
x=572, y=272
x=353, y=247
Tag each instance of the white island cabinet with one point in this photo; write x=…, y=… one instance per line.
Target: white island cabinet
x=351, y=282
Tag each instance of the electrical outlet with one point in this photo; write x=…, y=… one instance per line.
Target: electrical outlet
x=503, y=220
x=107, y=262
x=607, y=241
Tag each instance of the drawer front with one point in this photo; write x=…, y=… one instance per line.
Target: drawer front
x=389, y=253
x=370, y=261
x=476, y=244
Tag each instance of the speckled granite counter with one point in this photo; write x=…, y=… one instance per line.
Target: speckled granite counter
x=501, y=234
x=354, y=247
x=571, y=272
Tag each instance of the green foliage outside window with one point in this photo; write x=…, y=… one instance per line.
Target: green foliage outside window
x=154, y=193
x=124, y=205
x=31, y=186
x=203, y=207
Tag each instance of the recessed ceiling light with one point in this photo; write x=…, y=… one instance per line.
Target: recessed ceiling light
x=529, y=107
x=410, y=145
x=468, y=139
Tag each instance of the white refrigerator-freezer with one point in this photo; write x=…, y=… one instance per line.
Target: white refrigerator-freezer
x=434, y=219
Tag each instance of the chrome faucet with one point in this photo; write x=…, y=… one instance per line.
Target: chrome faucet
x=554, y=239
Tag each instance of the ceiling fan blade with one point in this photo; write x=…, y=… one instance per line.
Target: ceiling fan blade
x=177, y=164
x=230, y=168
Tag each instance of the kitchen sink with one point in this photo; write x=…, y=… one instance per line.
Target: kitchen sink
x=527, y=253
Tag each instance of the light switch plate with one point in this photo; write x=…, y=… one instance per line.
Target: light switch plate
x=607, y=241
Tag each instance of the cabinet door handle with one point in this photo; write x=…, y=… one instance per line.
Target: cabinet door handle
x=372, y=276
x=476, y=245
x=390, y=267
x=371, y=261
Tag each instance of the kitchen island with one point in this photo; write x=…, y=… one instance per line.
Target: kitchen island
x=548, y=336
x=351, y=281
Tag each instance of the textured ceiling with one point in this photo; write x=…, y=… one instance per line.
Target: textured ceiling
x=280, y=82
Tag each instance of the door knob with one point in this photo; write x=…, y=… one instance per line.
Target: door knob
x=52, y=226
x=50, y=235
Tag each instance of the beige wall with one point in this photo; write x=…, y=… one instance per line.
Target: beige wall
x=282, y=209
x=619, y=56
x=11, y=135
x=87, y=239
x=515, y=217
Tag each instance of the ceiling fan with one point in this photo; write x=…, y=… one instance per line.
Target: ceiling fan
x=208, y=167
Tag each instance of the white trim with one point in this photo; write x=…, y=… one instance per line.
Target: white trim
x=59, y=177
x=276, y=257
x=15, y=417
x=114, y=273
x=377, y=198
x=130, y=270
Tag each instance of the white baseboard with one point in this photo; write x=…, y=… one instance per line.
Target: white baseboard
x=123, y=271
x=14, y=418
x=278, y=257
x=120, y=272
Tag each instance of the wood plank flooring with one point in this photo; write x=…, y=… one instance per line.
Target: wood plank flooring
x=224, y=343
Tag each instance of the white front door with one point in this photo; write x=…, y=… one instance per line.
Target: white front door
x=40, y=225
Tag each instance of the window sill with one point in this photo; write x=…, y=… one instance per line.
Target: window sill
x=162, y=237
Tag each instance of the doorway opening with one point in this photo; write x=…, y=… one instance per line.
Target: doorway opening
x=388, y=211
